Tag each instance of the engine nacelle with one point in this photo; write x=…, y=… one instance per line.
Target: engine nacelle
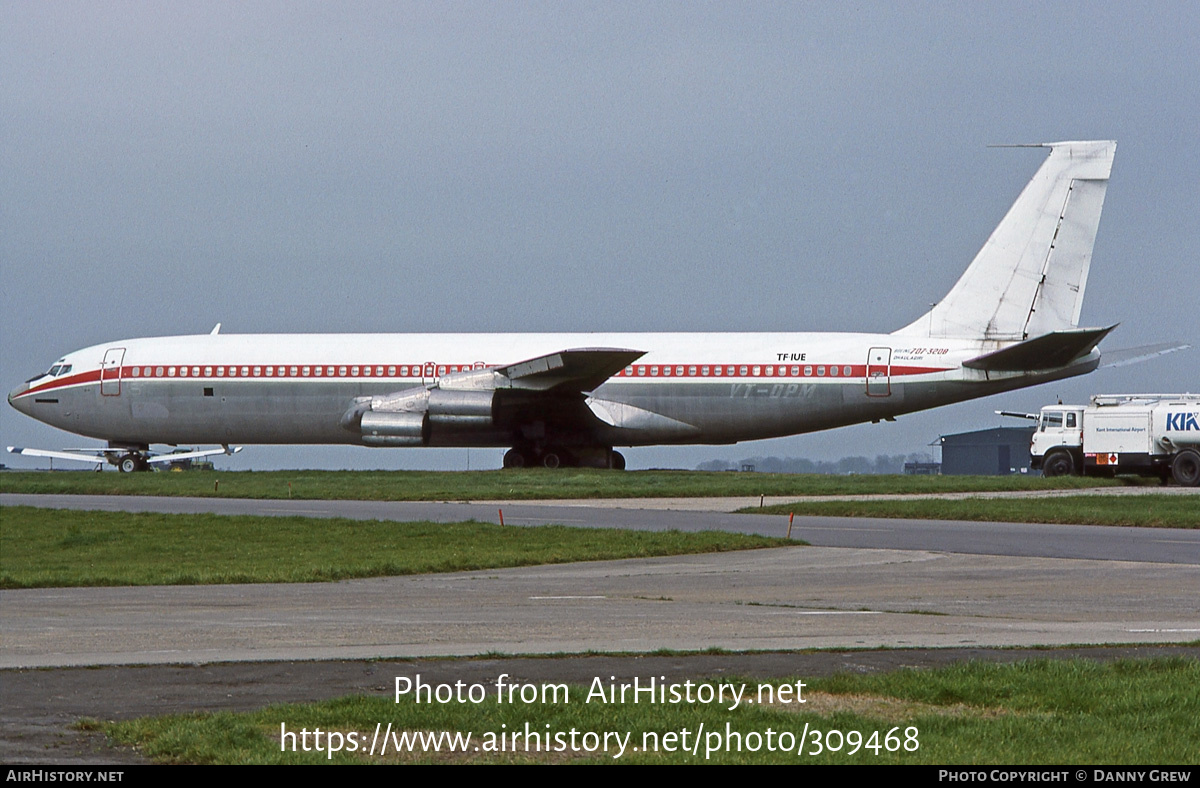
x=395, y=429
x=407, y=418
x=462, y=408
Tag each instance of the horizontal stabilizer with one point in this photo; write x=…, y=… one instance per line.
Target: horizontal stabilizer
x=1134, y=355
x=1049, y=351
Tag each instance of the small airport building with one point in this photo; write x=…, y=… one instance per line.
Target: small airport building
x=1000, y=451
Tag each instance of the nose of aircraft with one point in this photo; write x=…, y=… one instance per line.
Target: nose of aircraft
x=14, y=398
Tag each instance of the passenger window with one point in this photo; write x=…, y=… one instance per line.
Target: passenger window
x=1071, y=420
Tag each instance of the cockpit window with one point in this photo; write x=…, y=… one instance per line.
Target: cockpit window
x=54, y=370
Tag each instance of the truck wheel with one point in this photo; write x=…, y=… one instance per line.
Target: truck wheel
x=1186, y=468
x=1058, y=463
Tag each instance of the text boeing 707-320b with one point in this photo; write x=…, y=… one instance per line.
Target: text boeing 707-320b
x=1011, y=321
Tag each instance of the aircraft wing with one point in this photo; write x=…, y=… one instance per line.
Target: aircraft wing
x=101, y=455
x=580, y=369
x=58, y=455
x=192, y=455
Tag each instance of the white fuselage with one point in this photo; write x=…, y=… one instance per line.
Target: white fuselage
x=707, y=388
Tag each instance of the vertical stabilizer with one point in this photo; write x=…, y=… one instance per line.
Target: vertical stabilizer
x=1029, y=278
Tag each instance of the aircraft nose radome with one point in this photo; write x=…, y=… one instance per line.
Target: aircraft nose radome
x=13, y=396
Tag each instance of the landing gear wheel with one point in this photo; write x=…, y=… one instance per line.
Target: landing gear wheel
x=514, y=458
x=617, y=461
x=130, y=463
x=1058, y=463
x=552, y=459
x=1186, y=468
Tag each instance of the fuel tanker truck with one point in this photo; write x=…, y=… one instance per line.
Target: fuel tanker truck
x=1141, y=434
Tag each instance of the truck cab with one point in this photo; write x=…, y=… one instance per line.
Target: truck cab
x=1057, y=446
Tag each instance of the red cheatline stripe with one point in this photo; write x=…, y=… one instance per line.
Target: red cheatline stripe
x=367, y=371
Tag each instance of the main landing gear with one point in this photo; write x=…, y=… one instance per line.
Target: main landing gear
x=558, y=457
x=128, y=463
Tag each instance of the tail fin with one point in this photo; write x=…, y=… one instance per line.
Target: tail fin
x=1029, y=278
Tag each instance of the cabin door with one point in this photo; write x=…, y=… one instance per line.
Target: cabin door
x=879, y=372
x=110, y=372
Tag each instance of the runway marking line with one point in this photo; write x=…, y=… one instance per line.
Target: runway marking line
x=568, y=597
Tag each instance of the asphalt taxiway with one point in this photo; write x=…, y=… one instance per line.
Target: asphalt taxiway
x=865, y=583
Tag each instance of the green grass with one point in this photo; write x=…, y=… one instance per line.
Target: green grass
x=1161, y=511
x=525, y=484
x=1036, y=712
x=53, y=547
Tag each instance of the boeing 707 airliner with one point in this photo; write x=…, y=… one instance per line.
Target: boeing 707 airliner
x=1011, y=321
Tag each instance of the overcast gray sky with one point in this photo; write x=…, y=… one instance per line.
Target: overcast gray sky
x=317, y=167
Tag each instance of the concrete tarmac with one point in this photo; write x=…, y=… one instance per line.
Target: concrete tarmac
x=959, y=587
